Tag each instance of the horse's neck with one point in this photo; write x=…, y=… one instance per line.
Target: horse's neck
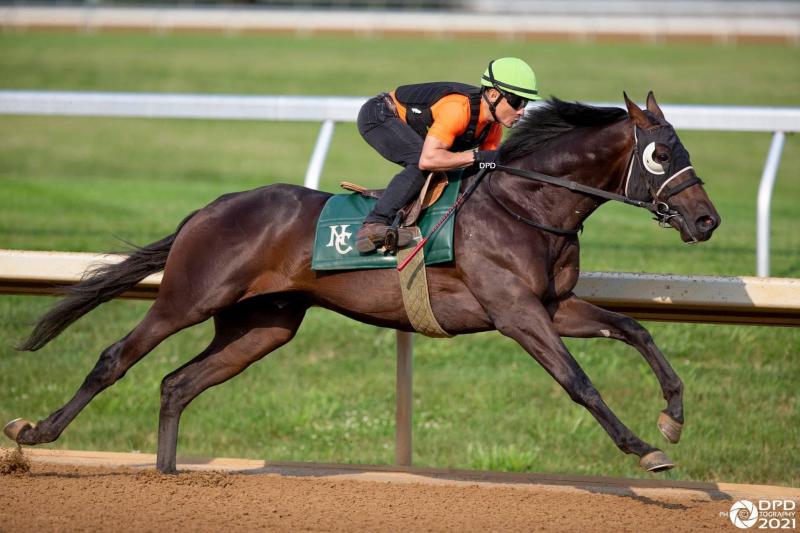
x=597, y=158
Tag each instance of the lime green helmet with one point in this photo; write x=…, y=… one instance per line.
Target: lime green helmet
x=511, y=75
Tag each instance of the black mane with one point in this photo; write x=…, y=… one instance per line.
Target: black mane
x=550, y=120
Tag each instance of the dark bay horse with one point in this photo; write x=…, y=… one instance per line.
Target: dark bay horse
x=245, y=260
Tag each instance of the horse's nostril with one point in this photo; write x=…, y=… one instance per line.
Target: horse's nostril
x=706, y=223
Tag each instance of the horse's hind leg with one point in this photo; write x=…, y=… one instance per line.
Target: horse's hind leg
x=112, y=365
x=574, y=317
x=245, y=333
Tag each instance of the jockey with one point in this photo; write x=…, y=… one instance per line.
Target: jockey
x=438, y=126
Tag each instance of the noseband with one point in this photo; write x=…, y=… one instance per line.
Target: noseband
x=658, y=204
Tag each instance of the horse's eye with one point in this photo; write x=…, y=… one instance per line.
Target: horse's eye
x=662, y=157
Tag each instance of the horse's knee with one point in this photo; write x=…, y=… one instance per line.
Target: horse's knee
x=635, y=332
x=591, y=398
x=582, y=392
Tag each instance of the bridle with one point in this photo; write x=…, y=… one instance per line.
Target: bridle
x=657, y=204
x=663, y=212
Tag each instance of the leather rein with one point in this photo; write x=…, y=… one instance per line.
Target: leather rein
x=658, y=207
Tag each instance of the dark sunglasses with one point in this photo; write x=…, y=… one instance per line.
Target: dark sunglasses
x=515, y=101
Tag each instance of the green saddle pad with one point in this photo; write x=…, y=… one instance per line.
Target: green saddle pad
x=343, y=214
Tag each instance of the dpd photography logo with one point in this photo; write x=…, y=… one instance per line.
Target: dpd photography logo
x=767, y=514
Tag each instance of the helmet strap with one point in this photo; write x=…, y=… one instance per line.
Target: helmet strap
x=493, y=105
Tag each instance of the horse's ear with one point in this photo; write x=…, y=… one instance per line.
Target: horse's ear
x=652, y=106
x=637, y=115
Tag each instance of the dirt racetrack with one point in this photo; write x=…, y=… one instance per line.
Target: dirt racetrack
x=67, y=491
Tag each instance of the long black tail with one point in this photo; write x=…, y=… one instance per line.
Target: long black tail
x=99, y=285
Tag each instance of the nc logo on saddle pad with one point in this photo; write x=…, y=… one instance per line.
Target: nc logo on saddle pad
x=334, y=240
x=339, y=238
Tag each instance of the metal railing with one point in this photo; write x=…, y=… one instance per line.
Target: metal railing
x=664, y=297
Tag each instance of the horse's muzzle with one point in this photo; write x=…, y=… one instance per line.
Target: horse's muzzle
x=701, y=230
x=705, y=226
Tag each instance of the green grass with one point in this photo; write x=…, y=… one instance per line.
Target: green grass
x=701, y=74
x=479, y=401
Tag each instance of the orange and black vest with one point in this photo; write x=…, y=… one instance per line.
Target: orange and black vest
x=418, y=99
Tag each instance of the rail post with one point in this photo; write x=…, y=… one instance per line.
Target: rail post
x=321, y=147
x=764, y=200
x=405, y=373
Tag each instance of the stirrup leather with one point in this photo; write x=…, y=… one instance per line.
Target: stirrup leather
x=431, y=192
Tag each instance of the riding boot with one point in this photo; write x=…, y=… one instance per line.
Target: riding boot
x=372, y=235
x=403, y=188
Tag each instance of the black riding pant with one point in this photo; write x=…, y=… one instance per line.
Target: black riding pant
x=399, y=143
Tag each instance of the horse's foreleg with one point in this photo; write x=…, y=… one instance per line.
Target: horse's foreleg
x=112, y=365
x=528, y=322
x=244, y=334
x=574, y=317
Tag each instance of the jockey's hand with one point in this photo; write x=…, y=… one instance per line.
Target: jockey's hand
x=486, y=156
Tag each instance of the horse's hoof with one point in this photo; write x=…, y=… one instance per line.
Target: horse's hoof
x=656, y=461
x=13, y=428
x=670, y=428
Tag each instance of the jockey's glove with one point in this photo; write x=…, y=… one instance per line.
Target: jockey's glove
x=486, y=156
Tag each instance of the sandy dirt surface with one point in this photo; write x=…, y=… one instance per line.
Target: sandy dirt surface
x=64, y=497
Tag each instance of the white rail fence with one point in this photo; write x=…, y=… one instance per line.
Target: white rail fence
x=696, y=299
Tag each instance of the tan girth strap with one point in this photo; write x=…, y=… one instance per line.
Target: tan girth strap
x=414, y=286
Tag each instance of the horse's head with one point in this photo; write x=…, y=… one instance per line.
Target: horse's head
x=661, y=171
